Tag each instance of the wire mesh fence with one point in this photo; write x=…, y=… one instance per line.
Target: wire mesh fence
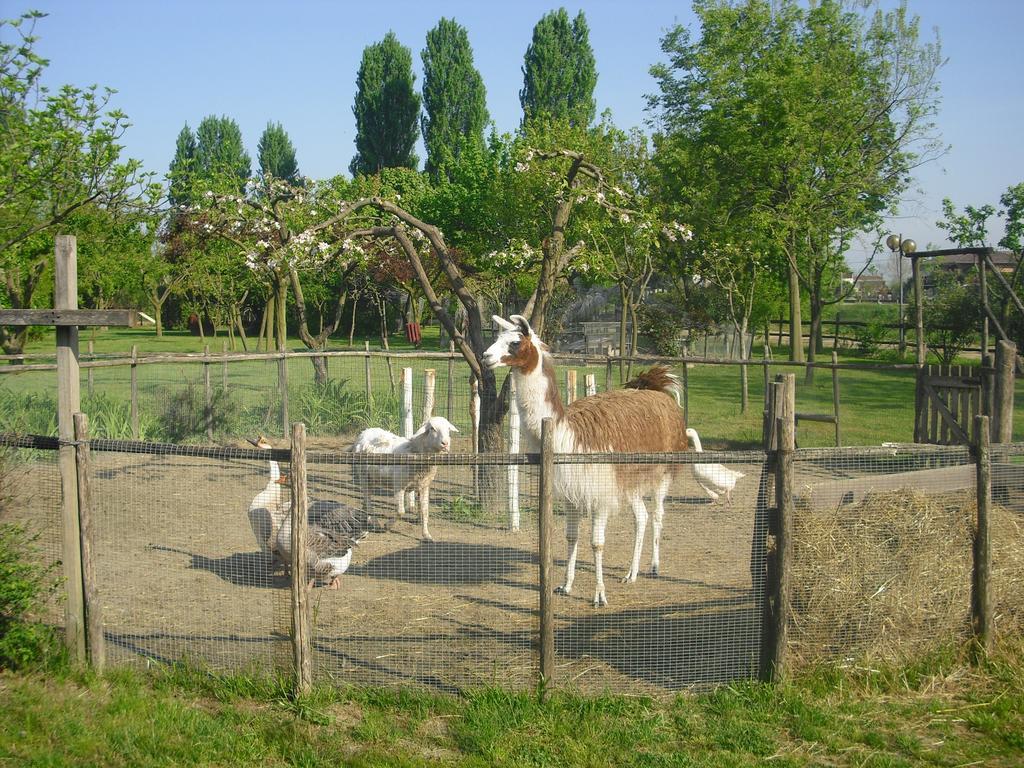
x=881, y=565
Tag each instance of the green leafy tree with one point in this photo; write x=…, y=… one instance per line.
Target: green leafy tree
x=221, y=160
x=386, y=109
x=807, y=120
x=559, y=71
x=950, y=315
x=277, y=155
x=454, y=97
x=182, y=169
x=59, y=153
x=968, y=229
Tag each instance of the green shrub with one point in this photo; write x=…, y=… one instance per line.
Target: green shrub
x=182, y=415
x=112, y=419
x=870, y=336
x=23, y=587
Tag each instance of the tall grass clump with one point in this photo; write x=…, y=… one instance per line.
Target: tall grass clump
x=24, y=642
x=332, y=408
x=27, y=413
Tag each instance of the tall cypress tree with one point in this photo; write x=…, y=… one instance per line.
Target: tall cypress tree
x=559, y=72
x=221, y=159
x=276, y=155
x=454, y=98
x=386, y=108
x=182, y=168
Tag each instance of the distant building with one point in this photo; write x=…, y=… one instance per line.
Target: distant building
x=867, y=288
x=962, y=264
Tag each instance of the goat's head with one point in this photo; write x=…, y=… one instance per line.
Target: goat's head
x=517, y=346
x=437, y=432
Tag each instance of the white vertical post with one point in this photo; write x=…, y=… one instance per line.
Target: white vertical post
x=407, y=425
x=474, y=412
x=513, y=470
x=591, y=384
x=429, y=384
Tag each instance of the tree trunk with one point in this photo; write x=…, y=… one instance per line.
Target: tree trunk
x=352, y=323
x=814, y=342
x=796, y=330
x=623, y=319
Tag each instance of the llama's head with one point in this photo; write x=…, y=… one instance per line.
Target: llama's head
x=517, y=346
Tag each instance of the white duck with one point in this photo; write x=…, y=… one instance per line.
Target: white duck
x=269, y=508
x=715, y=479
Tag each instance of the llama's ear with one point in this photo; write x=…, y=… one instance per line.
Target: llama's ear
x=503, y=323
x=523, y=325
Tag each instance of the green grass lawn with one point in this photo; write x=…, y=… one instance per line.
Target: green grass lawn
x=939, y=713
x=875, y=405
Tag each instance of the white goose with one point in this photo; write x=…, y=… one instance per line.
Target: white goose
x=269, y=508
x=715, y=479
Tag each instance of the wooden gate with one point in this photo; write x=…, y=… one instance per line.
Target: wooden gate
x=947, y=400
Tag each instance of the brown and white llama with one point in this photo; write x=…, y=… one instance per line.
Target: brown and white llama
x=645, y=417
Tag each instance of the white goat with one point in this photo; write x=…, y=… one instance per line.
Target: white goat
x=715, y=479
x=644, y=417
x=434, y=436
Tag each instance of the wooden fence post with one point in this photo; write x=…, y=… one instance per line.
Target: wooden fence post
x=405, y=378
x=451, y=377
x=302, y=640
x=208, y=394
x=981, y=612
x=224, y=366
x=135, y=393
x=282, y=384
x=570, y=385
x=88, y=371
x=92, y=605
x=686, y=389
x=474, y=417
x=777, y=587
x=918, y=308
x=547, y=613
x=65, y=296
x=1002, y=427
x=429, y=382
x=590, y=385
x=835, y=396
x=406, y=405
x=369, y=386
x=608, y=368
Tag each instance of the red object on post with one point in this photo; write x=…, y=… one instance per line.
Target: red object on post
x=412, y=333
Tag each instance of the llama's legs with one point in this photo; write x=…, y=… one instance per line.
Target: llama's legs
x=600, y=520
x=640, y=523
x=423, y=496
x=659, y=516
x=572, y=537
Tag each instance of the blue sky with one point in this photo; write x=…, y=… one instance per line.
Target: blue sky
x=295, y=63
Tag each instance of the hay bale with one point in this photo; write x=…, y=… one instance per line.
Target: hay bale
x=890, y=576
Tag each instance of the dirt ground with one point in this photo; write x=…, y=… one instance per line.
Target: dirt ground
x=181, y=576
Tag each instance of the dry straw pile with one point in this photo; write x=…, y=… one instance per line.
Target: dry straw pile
x=890, y=576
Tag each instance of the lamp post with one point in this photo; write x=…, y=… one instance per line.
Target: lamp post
x=903, y=247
